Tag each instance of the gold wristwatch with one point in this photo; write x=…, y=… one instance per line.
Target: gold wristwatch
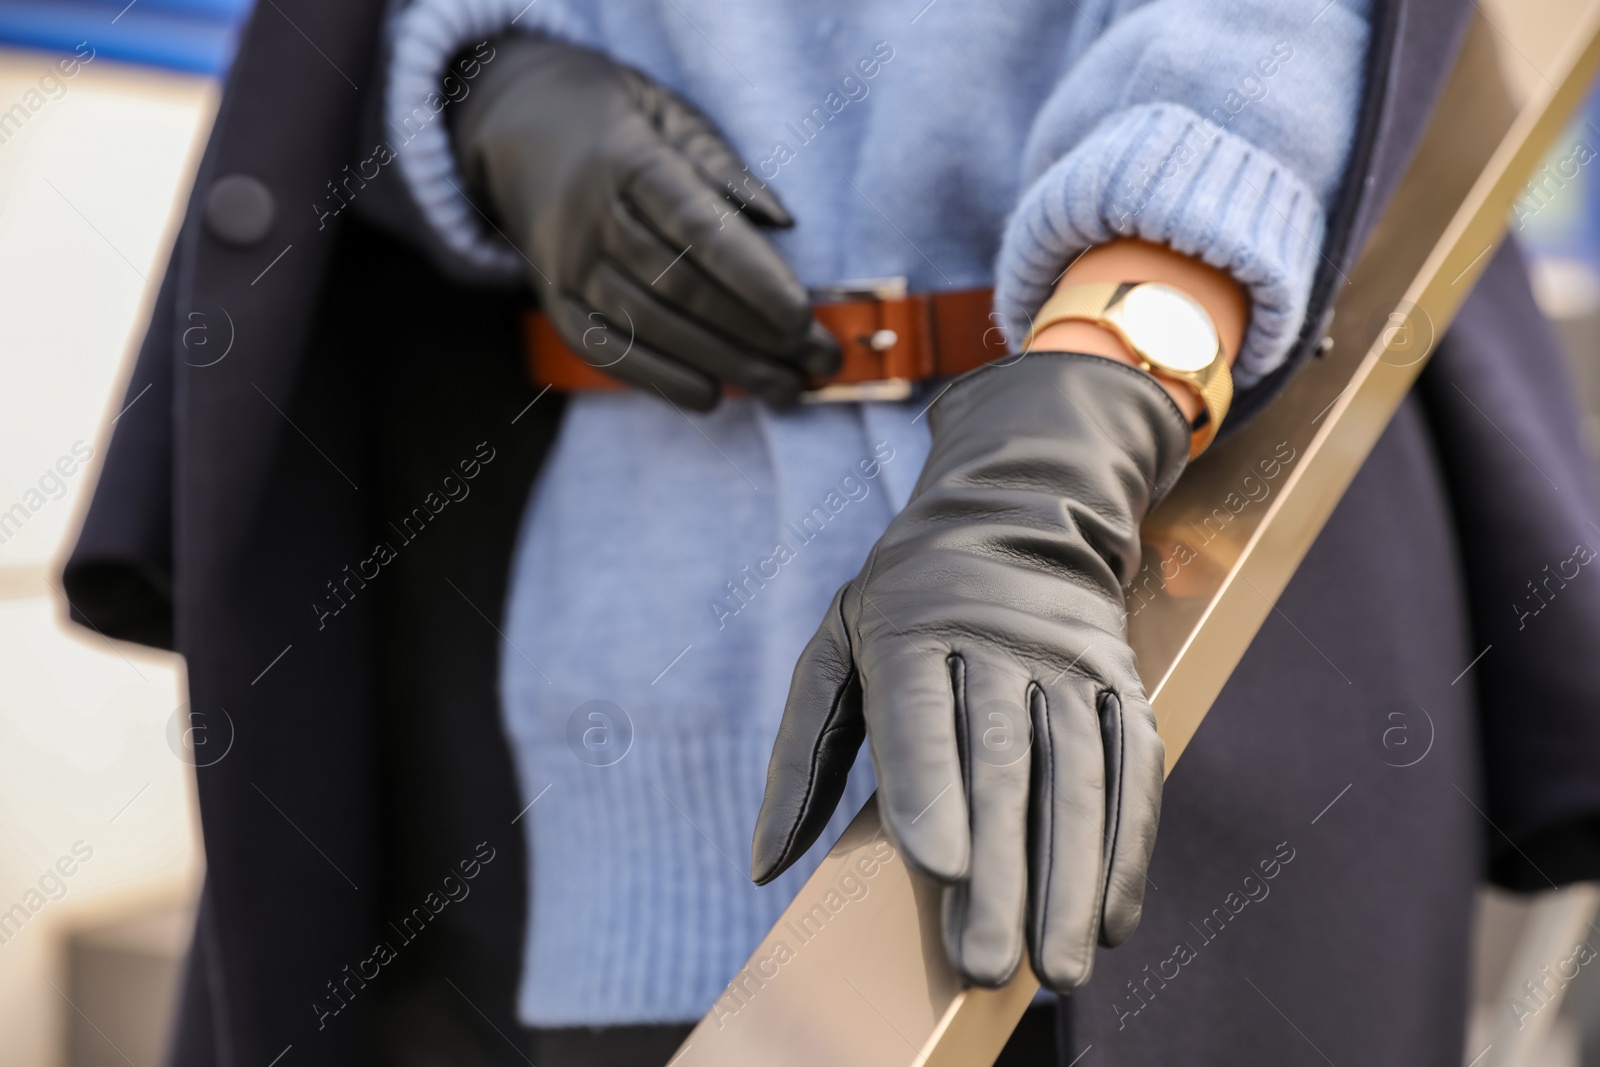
x=1166, y=328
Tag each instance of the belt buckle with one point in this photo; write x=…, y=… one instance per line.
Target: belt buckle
x=885, y=389
x=895, y=288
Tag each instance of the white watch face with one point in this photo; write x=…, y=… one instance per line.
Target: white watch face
x=1167, y=326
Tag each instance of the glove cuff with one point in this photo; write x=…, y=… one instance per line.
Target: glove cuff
x=1101, y=410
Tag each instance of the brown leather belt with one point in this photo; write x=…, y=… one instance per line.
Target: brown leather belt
x=890, y=340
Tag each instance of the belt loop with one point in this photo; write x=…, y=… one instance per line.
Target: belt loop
x=910, y=356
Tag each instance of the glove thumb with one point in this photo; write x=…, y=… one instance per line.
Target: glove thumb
x=818, y=739
x=698, y=140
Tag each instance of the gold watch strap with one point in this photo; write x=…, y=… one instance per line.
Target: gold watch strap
x=1217, y=393
x=1088, y=303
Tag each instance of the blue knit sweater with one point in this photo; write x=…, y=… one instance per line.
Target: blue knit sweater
x=671, y=566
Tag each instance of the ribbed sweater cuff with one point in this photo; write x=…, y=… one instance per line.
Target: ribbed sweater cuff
x=425, y=36
x=1159, y=172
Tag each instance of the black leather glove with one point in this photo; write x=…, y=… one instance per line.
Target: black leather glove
x=640, y=226
x=982, y=649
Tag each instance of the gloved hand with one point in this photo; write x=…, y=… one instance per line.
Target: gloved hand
x=981, y=648
x=605, y=179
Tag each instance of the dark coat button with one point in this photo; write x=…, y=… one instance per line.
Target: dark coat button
x=239, y=210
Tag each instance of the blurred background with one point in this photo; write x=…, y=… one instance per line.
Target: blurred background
x=93, y=171
x=95, y=774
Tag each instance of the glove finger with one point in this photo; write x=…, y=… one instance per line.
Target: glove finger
x=679, y=282
x=674, y=200
x=821, y=732
x=910, y=713
x=687, y=341
x=984, y=916
x=614, y=349
x=1135, y=768
x=1067, y=817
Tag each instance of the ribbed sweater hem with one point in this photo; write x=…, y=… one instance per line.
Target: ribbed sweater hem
x=642, y=906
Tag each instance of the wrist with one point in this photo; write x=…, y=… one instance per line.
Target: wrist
x=1130, y=259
